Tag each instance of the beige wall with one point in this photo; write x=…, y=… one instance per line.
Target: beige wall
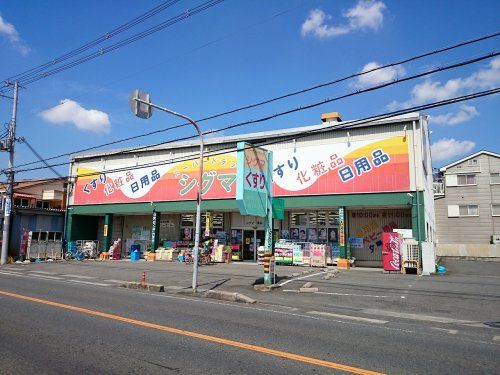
x=472, y=229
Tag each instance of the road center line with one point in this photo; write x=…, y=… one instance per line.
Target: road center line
x=338, y=294
x=88, y=282
x=46, y=277
x=79, y=276
x=200, y=336
x=350, y=317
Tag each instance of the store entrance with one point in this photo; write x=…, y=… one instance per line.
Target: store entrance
x=252, y=239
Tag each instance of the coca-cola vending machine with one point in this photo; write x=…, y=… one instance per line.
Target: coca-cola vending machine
x=391, y=258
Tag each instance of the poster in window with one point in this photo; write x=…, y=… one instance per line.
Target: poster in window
x=186, y=234
x=312, y=234
x=302, y=235
x=322, y=234
x=333, y=235
x=294, y=233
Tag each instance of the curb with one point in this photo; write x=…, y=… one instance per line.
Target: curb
x=228, y=296
x=266, y=287
x=146, y=286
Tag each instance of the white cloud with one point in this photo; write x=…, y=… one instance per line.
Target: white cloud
x=9, y=32
x=447, y=148
x=378, y=76
x=366, y=14
x=429, y=91
x=70, y=111
x=465, y=113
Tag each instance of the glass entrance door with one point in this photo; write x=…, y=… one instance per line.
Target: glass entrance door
x=252, y=239
x=248, y=244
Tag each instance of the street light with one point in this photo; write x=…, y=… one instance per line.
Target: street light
x=141, y=105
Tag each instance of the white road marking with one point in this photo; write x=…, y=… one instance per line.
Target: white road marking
x=32, y=276
x=116, y=281
x=43, y=272
x=451, y=331
x=339, y=316
x=79, y=277
x=426, y=318
x=338, y=294
x=88, y=283
x=496, y=338
x=302, y=277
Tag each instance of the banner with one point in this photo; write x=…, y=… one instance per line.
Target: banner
x=370, y=166
x=379, y=165
x=167, y=182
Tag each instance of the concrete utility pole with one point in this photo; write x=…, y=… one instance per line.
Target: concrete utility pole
x=11, y=140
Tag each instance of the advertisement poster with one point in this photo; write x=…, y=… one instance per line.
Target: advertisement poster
x=312, y=234
x=294, y=233
x=333, y=235
x=377, y=165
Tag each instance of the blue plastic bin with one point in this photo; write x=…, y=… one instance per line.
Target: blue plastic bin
x=135, y=256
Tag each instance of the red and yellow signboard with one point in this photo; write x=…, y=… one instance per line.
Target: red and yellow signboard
x=379, y=165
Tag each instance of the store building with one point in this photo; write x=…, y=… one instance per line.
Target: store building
x=467, y=200
x=341, y=183
x=38, y=207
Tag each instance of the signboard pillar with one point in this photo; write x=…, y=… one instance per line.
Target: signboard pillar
x=342, y=234
x=155, y=230
x=254, y=191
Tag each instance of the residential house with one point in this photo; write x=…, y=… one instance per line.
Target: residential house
x=467, y=203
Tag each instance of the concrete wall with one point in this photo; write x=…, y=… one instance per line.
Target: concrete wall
x=469, y=250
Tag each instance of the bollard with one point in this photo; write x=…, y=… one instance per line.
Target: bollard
x=267, y=261
x=143, y=279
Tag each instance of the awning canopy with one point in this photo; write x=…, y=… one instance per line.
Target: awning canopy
x=25, y=196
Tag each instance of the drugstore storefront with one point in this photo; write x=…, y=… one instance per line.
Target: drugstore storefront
x=340, y=189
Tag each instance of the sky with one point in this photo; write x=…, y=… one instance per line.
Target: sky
x=241, y=52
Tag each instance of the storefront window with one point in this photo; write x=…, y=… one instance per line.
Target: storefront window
x=314, y=226
x=298, y=218
x=187, y=220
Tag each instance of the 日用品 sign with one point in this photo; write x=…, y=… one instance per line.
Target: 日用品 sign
x=253, y=180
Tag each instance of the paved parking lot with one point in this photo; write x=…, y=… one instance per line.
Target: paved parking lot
x=469, y=291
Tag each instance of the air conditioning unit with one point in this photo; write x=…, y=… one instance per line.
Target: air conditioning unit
x=495, y=238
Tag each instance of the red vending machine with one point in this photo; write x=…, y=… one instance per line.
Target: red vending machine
x=391, y=258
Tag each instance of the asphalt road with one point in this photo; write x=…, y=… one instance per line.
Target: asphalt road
x=118, y=331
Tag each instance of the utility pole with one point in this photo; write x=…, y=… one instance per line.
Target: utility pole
x=11, y=140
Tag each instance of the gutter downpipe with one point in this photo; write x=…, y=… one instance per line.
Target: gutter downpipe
x=416, y=187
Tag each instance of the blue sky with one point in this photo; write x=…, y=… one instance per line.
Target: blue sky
x=252, y=54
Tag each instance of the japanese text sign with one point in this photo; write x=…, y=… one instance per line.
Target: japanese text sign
x=253, y=179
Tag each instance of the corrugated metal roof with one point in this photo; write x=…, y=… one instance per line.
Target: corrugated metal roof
x=248, y=136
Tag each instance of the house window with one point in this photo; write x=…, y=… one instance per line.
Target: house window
x=466, y=179
x=468, y=210
x=39, y=204
x=472, y=162
x=495, y=210
x=46, y=205
x=495, y=178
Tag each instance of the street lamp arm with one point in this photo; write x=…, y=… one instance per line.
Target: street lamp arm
x=200, y=186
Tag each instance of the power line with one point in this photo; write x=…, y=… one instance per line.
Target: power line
x=301, y=108
x=182, y=16
x=25, y=141
x=303, y=134
x=354, y=75
x=106, y=36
